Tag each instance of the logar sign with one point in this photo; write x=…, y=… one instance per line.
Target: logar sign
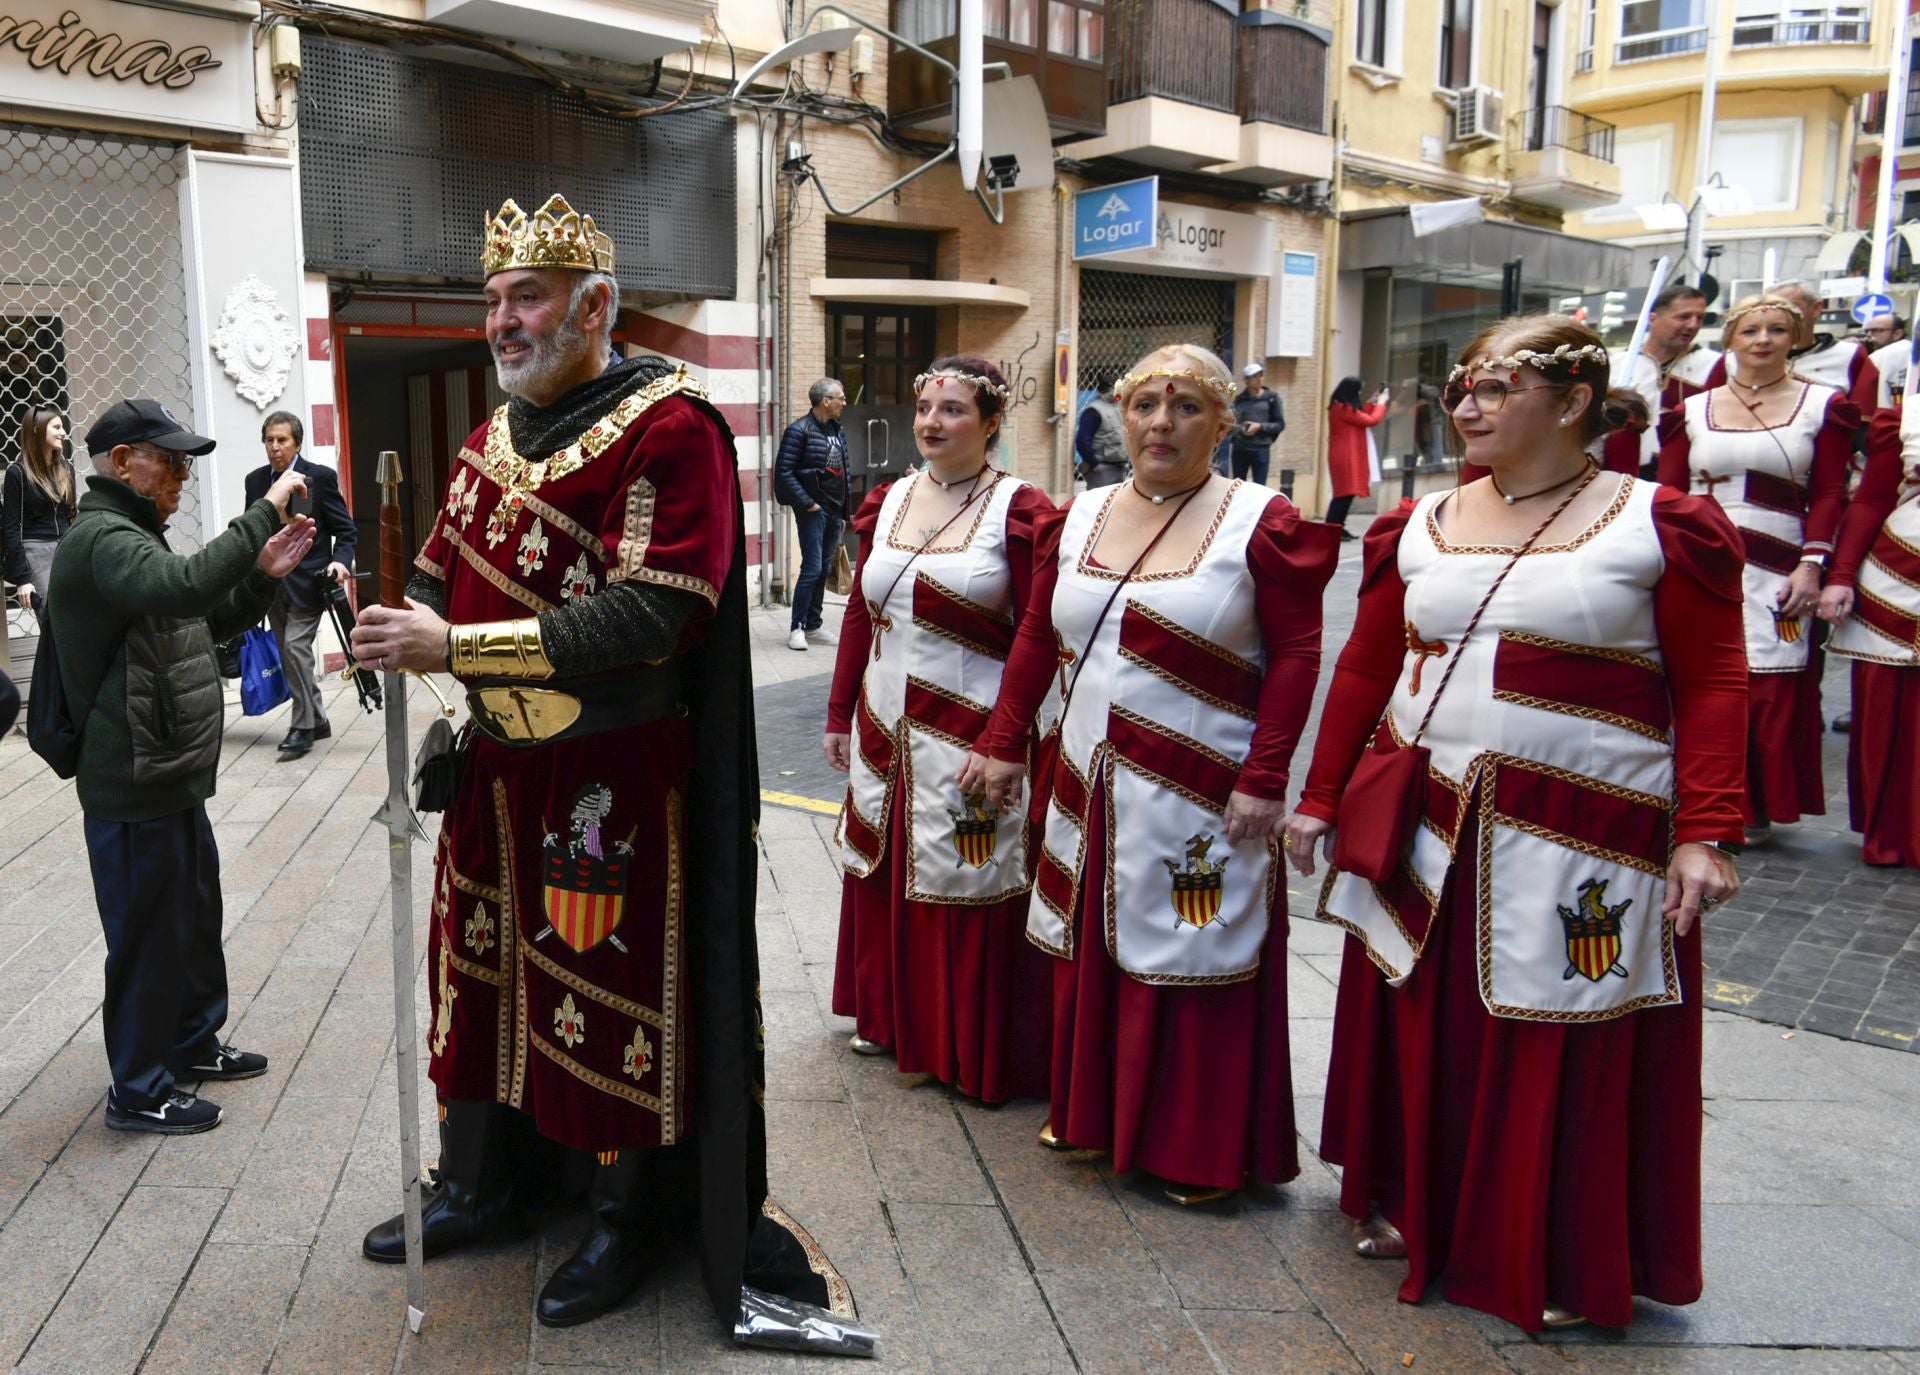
x=128, y=61
x=1202, y=240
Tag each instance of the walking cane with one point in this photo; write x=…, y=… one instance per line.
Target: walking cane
x=398, y=816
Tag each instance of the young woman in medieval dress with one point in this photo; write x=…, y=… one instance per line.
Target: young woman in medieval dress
x=1514, y=1089
x=1873, y=599
x=1178, y=615
x=933, y=962
x=1772, y=449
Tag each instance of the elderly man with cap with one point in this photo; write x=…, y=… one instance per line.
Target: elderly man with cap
x=1258, y=419
x=134, y=625
x=591, y=953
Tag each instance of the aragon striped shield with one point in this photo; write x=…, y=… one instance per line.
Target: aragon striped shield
x=585, y=897
x=1196, y=897
x=1592, y=930
x=974, y=841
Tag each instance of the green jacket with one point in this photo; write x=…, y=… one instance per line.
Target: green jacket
x=135, y=626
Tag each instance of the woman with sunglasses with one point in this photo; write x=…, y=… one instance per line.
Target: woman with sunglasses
x=933, y=962
x=1772, y=450
x=1873, y=603
x=1514, y=1089
x=1174, y=638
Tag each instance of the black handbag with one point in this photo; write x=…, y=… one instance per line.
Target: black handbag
x=437, y=765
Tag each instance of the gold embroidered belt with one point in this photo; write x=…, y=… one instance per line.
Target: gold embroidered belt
x=519, y=714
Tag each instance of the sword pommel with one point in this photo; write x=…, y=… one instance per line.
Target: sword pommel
x=387, y=473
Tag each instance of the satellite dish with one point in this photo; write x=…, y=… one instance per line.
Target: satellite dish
x=1017, y=141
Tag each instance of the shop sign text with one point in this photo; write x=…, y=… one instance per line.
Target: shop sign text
x=68, y=44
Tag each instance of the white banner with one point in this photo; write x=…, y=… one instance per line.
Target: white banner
x=1293, y=305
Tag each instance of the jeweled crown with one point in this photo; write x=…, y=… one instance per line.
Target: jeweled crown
x=555, y=235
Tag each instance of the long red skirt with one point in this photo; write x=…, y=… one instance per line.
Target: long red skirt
x=1191, y=1084
x=1883, y=763
x=1524, y=1162
x=958, y=992
x=1784, y=734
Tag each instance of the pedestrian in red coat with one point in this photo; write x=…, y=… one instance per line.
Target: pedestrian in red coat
x=1348, y=465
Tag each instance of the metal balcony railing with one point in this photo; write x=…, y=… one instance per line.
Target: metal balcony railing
x=1777, y=31
x=1645, y=47
x=1555, y=126
x=1180, y=49
x=1282, y=71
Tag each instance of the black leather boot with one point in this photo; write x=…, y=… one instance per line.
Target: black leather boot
x=624, y=1241
x=474, y=1201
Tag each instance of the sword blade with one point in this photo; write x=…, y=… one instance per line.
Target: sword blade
x=399, y=821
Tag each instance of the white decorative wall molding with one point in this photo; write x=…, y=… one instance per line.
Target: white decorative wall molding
x=255, y=342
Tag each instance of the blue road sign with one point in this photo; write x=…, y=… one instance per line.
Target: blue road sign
x=1115, y=219
x=1872, y=304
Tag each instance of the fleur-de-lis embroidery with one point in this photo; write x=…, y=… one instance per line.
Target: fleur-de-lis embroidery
x=637, y=1058
x=443, y=1018
x=456, y=492
x=569, y=1023
x=578, y=582
x=505, y=516
x=480, y=929
x=469, y=502
x=533, y=549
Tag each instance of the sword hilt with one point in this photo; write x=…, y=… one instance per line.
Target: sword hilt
x=393, y=549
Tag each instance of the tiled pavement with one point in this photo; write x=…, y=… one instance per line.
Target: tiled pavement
x=967, y=1246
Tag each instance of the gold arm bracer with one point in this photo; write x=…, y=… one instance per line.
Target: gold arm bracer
x=500, y=649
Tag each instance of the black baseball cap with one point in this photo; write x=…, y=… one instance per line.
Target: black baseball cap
x=140, y=421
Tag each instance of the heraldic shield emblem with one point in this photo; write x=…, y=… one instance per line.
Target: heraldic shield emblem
x=1198, y=885
x=975, y=831
x=584, y=885
x=1593, y=933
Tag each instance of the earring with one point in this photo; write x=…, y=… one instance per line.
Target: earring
x=1563, y=419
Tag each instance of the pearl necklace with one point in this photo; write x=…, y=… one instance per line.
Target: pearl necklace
x=1163, y=500
x=949, y=486
x=1529, y=496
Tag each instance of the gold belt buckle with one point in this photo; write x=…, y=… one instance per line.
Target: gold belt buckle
x=523, y=715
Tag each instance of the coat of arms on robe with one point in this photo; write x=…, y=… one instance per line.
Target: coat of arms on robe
x=1593, y=933
x=975, y=831
x=1197, y=886
x=585, y=876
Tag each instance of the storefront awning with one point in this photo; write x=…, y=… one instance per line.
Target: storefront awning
x=1386, y=239
x=1837, y=252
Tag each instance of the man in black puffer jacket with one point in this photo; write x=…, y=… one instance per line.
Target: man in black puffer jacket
x=810, y=475
x=134, y=628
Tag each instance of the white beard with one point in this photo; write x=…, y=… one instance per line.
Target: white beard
x=552, y=356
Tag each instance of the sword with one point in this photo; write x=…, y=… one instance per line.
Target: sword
x=398, y=816
x=1635, y=344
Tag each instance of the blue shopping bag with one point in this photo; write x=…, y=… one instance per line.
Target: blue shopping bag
x=262, y=684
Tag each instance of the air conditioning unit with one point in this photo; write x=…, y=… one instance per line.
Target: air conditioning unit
x=1476, y=117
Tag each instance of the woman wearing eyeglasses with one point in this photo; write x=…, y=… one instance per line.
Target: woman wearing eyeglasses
x=1173, y=638
x=1772, y=450
x=1873, y=601
x=933, y=960
x=1532, y=748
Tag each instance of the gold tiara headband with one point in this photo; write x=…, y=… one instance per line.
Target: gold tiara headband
x=1568, y=356
x=1222, y=390
x=1785, y=307
x=982, y=385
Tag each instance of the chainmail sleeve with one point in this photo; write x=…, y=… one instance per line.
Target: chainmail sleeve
x=423, y=589
x=628, y=623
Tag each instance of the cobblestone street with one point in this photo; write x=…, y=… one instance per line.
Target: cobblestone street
x=967, y=1246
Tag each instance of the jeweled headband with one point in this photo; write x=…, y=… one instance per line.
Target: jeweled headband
x=1568, y=356
x=1778, y=303
x=1222, y=390
x=982, y=385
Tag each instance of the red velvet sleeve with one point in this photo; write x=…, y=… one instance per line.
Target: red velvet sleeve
x=688, y=467
x=1827, y=483
x=856, y=631
x=1873, y=501
x=1676, y=453
x=1031, y=665
x=1291, y=560
x=1027, y=506
x=1697, y=615
x=1864, y=391
x=1368, y=669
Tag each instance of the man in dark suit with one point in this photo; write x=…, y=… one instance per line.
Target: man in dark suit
x=296, y=613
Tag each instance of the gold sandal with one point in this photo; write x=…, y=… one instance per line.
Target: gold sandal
x=1558, y=1318
x=1190, y=1195
x=1378, y=1239
x=1049, y=1140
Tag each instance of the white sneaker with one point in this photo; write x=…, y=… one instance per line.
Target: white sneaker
x=797, y=640
x=823, y=636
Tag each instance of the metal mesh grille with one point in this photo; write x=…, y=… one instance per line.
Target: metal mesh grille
x=402, y=160
x=93, y=289
x=1126, y=315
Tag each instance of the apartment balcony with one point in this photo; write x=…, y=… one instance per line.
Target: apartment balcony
x=635, y=31
x=1193, y=85
x=1061, y=44
x=1781, y=31
x=1565, y=159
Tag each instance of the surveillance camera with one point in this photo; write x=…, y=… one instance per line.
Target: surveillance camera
x=1003, y=170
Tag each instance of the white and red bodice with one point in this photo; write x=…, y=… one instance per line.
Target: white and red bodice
x=1885, y=625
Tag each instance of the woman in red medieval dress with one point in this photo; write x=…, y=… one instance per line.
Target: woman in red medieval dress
x=932, y=960
x=1178, y=617
x=1772, y=449
x=1514, y=1091
x=1873, y=600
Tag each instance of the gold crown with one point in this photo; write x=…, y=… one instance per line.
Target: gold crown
x=556, y=235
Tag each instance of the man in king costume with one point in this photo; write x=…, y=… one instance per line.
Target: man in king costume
x=592, y=961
